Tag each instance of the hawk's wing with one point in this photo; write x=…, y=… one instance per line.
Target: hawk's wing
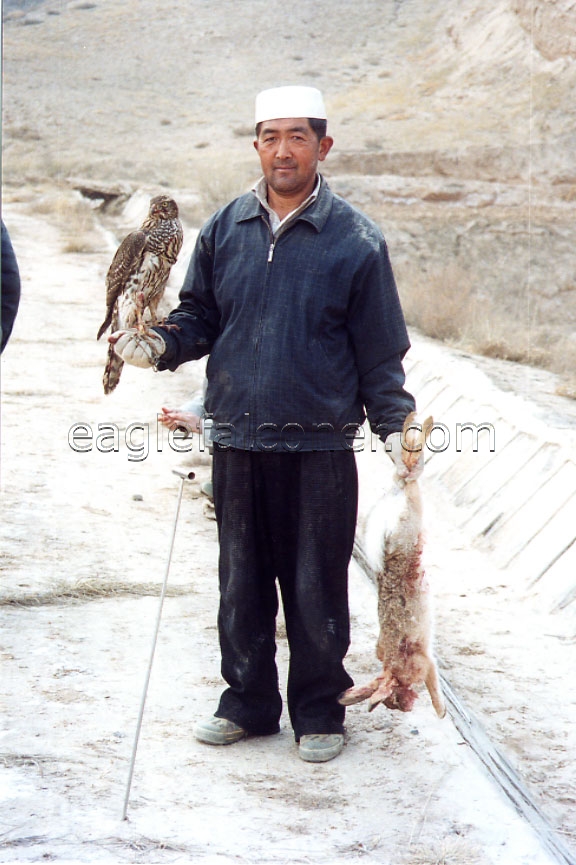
x=125, y=262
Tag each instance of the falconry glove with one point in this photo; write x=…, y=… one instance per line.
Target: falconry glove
x=396, y=450
x=143, y=349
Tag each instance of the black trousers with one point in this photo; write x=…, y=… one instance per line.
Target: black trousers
x=288, y=518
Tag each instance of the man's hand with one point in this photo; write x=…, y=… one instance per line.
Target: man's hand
x=397, y=452
x=176, y=419
x=138, y=348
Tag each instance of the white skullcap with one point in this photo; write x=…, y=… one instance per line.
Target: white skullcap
x=291, y=101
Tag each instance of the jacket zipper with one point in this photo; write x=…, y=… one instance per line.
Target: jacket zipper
x=259, y=341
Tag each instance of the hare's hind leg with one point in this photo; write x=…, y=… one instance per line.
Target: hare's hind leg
x=432, y=682
x=357, y=694
x=376, y=691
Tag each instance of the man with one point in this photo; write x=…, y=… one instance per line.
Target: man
x=291, y=293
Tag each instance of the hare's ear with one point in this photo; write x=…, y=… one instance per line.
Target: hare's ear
x=418, y=432
x=427, y=427
x=408, y=423
x=412, y=441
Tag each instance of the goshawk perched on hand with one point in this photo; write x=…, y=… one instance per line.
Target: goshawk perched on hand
x=137, y=277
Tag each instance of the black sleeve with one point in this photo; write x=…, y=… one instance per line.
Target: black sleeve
x=10, y=287
x=387, y=402
x=380, y=339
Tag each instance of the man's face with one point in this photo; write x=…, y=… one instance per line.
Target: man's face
x=289, y=152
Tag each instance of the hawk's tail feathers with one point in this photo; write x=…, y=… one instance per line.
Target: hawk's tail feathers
x=112, y=370
x=105, y=324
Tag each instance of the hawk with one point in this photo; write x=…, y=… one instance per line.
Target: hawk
x=137, y=277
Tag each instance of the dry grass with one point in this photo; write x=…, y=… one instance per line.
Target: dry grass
x=567, y=387
x=442, y=304
x=9, y=760
x=75, y=218
x=496, y=334
x=83, y=591
x=122, y=848
x=220, y=187
x=439, y=303
x=148, y=849
x=563, y=361
x=540, y=346
x=454, y=851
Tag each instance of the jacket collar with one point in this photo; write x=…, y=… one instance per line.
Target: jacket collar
x=316, y=214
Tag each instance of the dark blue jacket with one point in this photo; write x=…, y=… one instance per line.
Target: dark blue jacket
x=9, y=287
x=304, y=334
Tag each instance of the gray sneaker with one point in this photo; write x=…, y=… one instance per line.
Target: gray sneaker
x=320, y=747
x=207, y=489
x=219, y=731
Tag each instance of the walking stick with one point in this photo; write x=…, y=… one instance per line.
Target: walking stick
x=183, y=477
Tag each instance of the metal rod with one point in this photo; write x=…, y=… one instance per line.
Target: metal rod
x=187, y=476
x=183, y=477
